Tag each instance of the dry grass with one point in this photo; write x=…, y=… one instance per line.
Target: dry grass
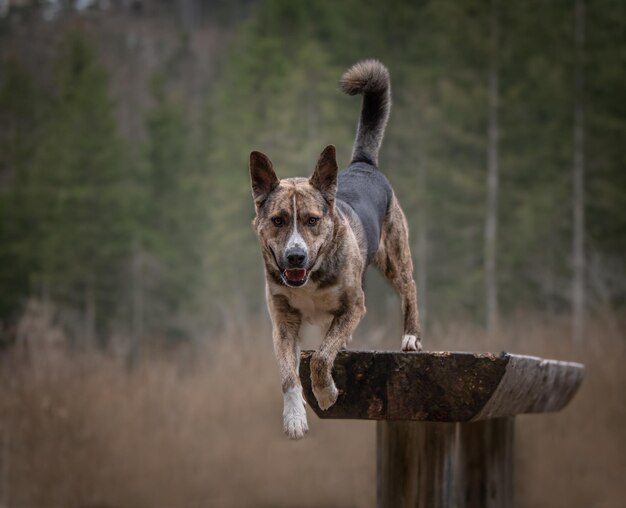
x=203, y=428
x=575, y=458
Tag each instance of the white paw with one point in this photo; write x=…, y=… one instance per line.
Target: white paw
x=327, y=396
x=294, y=414
x=411, y=343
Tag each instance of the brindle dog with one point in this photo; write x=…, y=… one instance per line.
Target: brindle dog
x=319, y=234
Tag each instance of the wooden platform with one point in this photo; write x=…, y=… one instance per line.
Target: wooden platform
x=445, y=430
x=444, y=386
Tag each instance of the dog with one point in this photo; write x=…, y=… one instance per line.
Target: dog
x=317, y=237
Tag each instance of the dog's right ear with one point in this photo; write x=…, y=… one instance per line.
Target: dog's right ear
x=262, y=177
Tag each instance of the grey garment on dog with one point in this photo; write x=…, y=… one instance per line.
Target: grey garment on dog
x=364, y=189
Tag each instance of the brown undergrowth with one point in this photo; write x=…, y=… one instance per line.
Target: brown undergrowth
x=201, y=426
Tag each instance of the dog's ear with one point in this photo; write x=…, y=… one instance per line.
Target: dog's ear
x=262, y=177
x=324, y=177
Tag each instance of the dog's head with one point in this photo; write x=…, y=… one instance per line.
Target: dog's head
x=294, y=216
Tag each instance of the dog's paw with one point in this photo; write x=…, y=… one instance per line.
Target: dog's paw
x=411, y=343
x=295, y=426
x=326, y=396
x=294, y=414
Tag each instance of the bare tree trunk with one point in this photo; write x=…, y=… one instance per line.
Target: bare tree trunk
x=578, y=244
x=422, y=246
x=45, y=298
x=4, y=468
x=491, y=222
x=90, y=315
x=137, y=304
x=188, y=13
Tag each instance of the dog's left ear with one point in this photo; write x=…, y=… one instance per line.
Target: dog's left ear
x=324, y=178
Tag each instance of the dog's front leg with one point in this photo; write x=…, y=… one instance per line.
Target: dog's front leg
x=286, y=326
x=341, y=328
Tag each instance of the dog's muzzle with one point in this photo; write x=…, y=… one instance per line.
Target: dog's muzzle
x=296, y=273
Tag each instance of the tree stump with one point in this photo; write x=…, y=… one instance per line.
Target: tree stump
x=445, y=420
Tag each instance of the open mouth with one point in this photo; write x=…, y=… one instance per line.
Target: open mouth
x=295, y=276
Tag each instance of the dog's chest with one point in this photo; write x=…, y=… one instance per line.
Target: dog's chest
x=316, y=306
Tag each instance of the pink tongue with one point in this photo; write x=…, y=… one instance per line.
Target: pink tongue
x=296, y=274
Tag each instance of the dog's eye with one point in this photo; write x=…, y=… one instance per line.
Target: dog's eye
x=278, y=221
x=313, y=221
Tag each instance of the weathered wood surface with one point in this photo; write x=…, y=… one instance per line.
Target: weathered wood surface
x=443, y=386
x=436, y=465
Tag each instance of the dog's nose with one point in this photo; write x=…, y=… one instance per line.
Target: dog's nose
x=296, y=257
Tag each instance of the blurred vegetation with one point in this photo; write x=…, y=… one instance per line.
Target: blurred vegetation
x=149, y=233
x=125, y=210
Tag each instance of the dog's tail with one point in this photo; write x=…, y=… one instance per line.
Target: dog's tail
x=371, y=79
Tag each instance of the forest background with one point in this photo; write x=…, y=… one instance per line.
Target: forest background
x=130, y=278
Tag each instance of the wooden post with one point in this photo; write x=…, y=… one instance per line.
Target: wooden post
x=416, y=464
x=432, y=465
x=486, y=463
x=444, y=436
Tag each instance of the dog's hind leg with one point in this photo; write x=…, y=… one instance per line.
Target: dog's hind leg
x=286, y=326
x=394, y=261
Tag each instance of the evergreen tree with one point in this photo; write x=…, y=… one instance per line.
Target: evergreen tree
x=21, y=109
x=172, y=221
x=79, y=192
x=605, y=178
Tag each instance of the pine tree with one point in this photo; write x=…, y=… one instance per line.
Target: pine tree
x=79, y=193
x=21, y=109
x=605, y=178
x=172, y=220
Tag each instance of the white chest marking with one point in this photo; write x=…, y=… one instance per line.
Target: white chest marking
x=314, y=305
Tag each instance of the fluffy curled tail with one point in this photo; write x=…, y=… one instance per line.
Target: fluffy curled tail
x=371, y=79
